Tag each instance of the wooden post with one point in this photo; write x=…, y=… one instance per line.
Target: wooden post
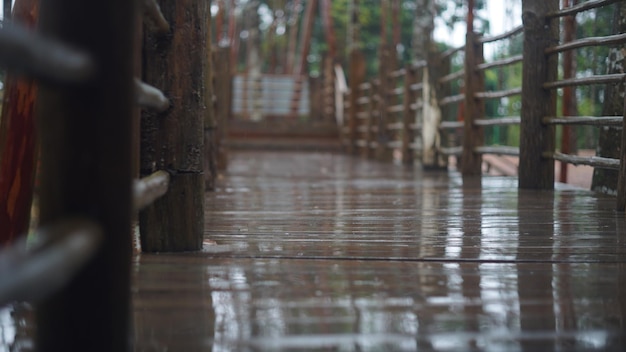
x=383, y=152
x=210, y=120
x=535, y=170
x=408, y=115
x=473, y=136
x=621, y=179
x=357, y=75
x=372, y=116
x=223, y=86
x=568, y=106
x=327, y=86
x=173, y=140
x=86, y=171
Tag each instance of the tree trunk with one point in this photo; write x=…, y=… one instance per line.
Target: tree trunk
x=605, y=181
x=173, y=140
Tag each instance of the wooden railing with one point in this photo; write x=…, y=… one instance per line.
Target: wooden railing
x=78, y=269
x=539, y=100
x=386, y=111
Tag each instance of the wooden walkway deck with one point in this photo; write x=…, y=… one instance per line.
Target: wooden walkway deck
x=324, y=252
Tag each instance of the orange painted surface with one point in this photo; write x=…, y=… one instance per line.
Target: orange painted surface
x=18, y=142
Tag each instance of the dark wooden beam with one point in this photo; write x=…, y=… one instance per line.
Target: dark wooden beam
x=86, y=171
x=174, y=140
x=535, y=170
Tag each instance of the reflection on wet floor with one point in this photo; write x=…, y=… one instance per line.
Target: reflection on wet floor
x=332, y=253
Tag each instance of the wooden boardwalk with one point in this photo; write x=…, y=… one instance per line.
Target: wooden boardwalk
x=324, y=252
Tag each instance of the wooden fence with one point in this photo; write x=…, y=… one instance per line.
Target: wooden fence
x=78, y=270
x=387, y=114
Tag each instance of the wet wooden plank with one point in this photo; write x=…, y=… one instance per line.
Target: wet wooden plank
x=337, y=253
x=325, y=206
x=331, y=252
x=303, y=305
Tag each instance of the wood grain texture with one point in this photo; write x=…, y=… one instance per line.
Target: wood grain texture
x=536, y=171
x=174, y=140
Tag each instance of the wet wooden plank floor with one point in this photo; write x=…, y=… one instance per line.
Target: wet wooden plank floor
x=332, y=253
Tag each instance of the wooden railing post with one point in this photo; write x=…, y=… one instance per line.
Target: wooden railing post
x=408, y=115
x=535, y=170
x=327, y=103
x=372, y=118
x=357, y=75
x=173, y=140
x=86, y=171
x=210, y=124
x=473, y=135
x=223, y=88
x=621, y=179
x=387, y=64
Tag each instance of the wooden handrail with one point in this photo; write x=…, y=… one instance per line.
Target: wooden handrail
x=451, y=52
x=497, y=150
x=61, y=250
x=588, y=5
x=598, y=79
x=595, y=161
x=500, y=121
x=452, y=76
x=586, y=42
x=498, y=94
x=584, y=120
x=24, y=51
x=505, y=35
x=499, y=63
x=148, y=189
x=452, y=99
x=150, y=97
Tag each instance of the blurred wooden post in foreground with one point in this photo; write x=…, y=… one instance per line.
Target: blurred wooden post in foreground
x=86, y=171
x=173, y=140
